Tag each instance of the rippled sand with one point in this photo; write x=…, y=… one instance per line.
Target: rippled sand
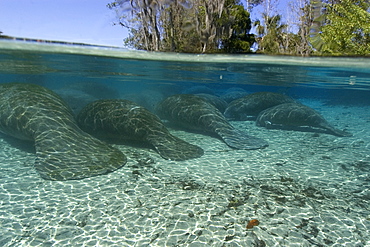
x=305, y=189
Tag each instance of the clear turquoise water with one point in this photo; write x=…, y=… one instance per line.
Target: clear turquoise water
x=306, y=190
x=131, y=71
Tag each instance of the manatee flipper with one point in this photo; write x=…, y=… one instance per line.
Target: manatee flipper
x=63, y=150
x=123, y=120
x=74, y=155
x=240, y=140
x=322, y=128
x=170, y=147
x=337, y=132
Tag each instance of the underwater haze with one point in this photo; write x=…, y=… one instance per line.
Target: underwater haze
x=306, y=187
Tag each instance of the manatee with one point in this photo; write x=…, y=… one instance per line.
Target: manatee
x=75, y=99
x=94, y=89
x=233, y=93
x=147, y=98
x=248, y=107
x=121, y=120
x=63, y=150
x=295, y=116
x=219, y=103
x=198, y=89
x=193, y=112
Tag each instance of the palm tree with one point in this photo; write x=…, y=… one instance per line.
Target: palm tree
x=271, y=35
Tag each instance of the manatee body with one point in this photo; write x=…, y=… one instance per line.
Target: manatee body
x=248, y=107
x=233, y=93
x=125, y=120
x=63, y=150
x=219, y=103
x=193, y=112
x=295, y=116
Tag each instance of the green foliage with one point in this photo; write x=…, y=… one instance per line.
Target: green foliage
x=328, y=27
x=240, y=40
x=347, y=29
x=200, y=26
x=271, y=35
x=180, y=32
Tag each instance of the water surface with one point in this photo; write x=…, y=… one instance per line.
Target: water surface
x=306, y=189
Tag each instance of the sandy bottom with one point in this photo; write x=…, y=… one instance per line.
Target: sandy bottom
x=305, y=189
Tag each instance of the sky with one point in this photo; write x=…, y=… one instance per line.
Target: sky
x=82, y=21
x=85, y=21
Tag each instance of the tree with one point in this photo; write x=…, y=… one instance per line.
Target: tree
x=185, y=25
x=141, y=18
x=331, y=27
x=239, y=39
x=270, y=31
x=271, y=35
x=347, y=28
x=302, y=27
x=250, y=4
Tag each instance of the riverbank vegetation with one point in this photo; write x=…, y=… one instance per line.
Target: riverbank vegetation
x=312, y=27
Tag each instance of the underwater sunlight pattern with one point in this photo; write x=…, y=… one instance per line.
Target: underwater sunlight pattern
x=113, y=147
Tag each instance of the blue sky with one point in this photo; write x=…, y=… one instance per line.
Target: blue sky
x=86, y=21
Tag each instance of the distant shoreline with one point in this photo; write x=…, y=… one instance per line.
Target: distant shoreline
x=51, y=41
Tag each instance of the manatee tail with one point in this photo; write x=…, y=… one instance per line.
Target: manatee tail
x=333, y=131
x=240, y=140
x=70, y=154
x=170, y=147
